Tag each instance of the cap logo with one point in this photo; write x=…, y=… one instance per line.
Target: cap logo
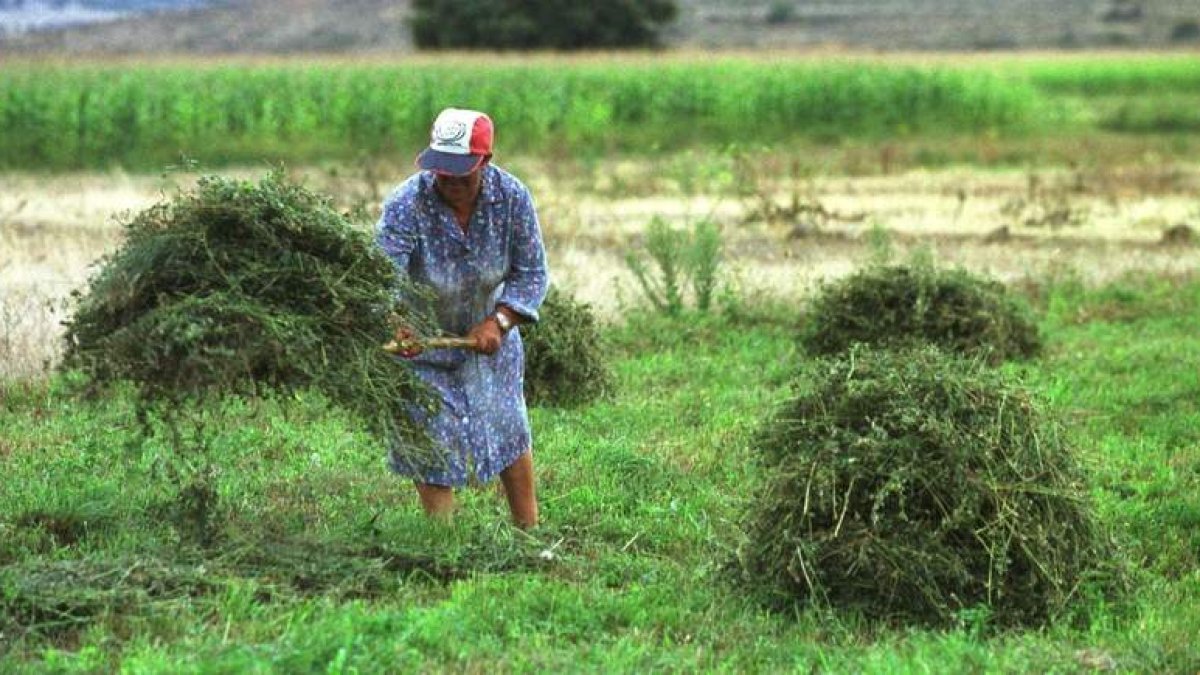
x=450, y=132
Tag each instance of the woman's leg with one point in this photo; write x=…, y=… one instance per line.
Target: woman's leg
x=437, y=500
x=520, y=491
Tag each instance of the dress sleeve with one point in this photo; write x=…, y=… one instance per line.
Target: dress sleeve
x=527, y=280
x=396, y=236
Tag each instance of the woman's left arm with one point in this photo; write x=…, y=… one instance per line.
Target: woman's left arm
x=527, y=280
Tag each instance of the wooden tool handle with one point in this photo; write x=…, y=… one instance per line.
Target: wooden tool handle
x=396, y=347
x=448, y=343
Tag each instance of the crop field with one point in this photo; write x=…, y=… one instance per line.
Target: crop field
x=70, y=115
x=1069, y=178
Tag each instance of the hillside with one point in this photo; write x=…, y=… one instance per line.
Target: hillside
x=940, y=24
x=237, y=26
x=357, y=26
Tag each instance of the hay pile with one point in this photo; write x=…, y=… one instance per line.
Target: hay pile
x=912, y=485
x=564, y=355
x=902, y=305
x=237, y=286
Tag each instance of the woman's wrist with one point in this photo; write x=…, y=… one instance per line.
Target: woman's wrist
x=505, y=318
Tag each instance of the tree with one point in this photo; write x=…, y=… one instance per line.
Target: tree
x=539, y=24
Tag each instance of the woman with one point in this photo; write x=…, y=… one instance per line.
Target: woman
x=467, y=230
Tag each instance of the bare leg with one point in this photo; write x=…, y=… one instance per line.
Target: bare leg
x=437, y=500
x=519, y=488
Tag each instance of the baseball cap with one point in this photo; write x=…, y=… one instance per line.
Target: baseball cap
x=458, y=142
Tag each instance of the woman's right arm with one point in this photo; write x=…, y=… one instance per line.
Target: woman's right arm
x=396, y=233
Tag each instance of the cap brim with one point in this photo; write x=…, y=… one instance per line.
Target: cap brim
x=447, y=163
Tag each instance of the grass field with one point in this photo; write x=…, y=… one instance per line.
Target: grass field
x=323, y=562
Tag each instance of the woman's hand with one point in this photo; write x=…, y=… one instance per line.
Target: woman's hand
x=407, y=343
x=487, y=335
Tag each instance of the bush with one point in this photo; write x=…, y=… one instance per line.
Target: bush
x=781, y=12
x=564, y=355
x=540, y=24
x=1185, y=31
x=899, y=305
x=682, y=261
x=237, y=286
x=914, y=485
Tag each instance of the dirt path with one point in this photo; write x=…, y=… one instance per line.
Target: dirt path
x=1006, y=224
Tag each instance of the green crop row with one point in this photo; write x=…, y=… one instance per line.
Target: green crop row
x=145, y=115
x=1117, y=75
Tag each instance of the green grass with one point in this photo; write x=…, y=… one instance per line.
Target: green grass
x=65, y=115
x=62, y=115
x=1133, y=74
x=80, y=115
x=323, y=562
x=1131, y=94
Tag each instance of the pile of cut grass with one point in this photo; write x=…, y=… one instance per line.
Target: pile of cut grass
x=239, y=287
x=913, y=485
x=565, y=363
x=906, y=305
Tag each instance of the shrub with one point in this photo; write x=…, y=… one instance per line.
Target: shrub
x=780, y=12
x=1185, y=31
x=897, y=305
x=540, y=24
x=564, y=354
x=915, y=485
x=239, y=286
x=681, y=259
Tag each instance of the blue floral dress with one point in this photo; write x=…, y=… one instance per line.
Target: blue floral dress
x=482, y=425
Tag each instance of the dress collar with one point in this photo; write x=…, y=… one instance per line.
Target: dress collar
x=490, y=191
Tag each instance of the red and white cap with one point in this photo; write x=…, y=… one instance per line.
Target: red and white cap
x=458, y=143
